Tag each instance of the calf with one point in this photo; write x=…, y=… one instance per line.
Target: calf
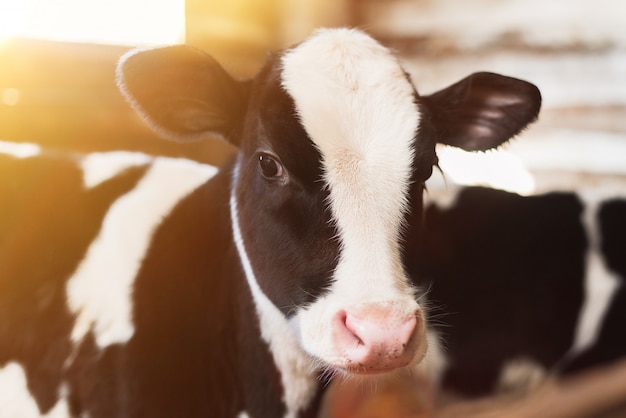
x=272, y=274
x=525, y=285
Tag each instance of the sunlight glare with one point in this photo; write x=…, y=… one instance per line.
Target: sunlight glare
x=498, y=169
x=121, y=22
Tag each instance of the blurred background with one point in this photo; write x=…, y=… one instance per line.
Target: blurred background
x=57, y=61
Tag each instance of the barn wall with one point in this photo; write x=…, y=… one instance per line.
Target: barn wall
x=574, y=50
x=63, y=94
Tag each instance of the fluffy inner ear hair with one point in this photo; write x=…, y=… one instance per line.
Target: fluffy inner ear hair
x=182, y=92
x=483, y=110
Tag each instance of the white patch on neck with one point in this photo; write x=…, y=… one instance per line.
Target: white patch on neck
x=600, y=283
x=19, y=149
x=298, y=381
x=16, y=400
x=99, y=292
x=99, y=167
x=359, y=109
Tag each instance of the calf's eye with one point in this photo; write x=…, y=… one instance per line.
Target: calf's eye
x=271, y=168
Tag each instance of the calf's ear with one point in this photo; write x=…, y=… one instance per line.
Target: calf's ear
x=182, y=92
x=483, y=110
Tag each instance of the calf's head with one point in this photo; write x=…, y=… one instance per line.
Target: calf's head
x=335, y=145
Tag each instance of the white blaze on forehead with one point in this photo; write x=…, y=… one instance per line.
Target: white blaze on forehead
x=359, y=109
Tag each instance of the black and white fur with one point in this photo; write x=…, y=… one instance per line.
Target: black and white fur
x=525, y=286
x=259, y=281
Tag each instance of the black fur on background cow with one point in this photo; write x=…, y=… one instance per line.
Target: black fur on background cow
x=507, y=279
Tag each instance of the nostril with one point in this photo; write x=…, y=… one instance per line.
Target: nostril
x=353, y=326
x=344, y=332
